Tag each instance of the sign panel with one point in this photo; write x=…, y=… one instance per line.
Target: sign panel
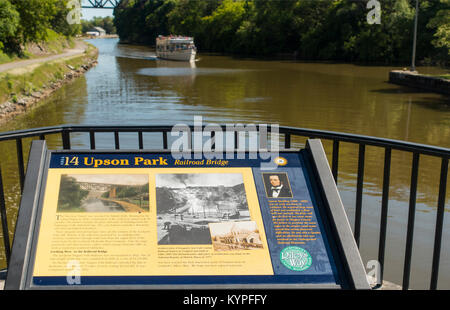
x=148, y=219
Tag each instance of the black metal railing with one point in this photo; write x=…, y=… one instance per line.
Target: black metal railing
x=286, y=133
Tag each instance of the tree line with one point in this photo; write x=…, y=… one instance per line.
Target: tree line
x=309, y=29
x=70, y=194
x=102, y=22
x=25, y=21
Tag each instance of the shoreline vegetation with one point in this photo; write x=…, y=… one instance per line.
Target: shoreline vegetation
x=21, y=88
x=40, y=51
x=24, y=24
x=309, y=30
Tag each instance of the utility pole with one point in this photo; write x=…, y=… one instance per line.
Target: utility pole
x=413, y=62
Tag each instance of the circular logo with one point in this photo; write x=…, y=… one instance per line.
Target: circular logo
x=295, y=258
x=280, y=161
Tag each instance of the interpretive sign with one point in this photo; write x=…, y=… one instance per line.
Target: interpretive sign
x=147, y=220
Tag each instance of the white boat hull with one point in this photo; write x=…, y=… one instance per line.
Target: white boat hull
x=188, y=55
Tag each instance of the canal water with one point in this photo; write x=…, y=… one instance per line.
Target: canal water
x=97, y=205
x=130, y=87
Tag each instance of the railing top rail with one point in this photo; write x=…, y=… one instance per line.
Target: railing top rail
x=331, y=135
x=24, y=133
x=369, y=140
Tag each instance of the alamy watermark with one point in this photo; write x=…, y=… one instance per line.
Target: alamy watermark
x=73, y=276
x=74, y=16
x=374, y=15
x=232, y=141
x=374, y=273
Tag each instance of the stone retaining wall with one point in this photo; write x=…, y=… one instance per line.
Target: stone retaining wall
x=412, y=79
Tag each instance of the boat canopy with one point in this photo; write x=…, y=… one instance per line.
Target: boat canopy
x=174, y=39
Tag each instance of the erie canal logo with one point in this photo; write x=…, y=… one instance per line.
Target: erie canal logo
x=295, y=258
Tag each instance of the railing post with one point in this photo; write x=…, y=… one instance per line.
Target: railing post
x=359, y=192
x=384, y=210
x=3, y=214
x=335, y=160
x=411, y=216
x=116, y=140
x=439, y=224
x=20, y=162
x=92, y=139
x=287, y=141
x=165, y=144
x=213, y=140
x=141, y=140
x=65, y=139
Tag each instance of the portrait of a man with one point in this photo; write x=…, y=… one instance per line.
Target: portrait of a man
x=277, y=185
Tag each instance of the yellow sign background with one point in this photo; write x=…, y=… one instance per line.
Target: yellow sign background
x=125, y=244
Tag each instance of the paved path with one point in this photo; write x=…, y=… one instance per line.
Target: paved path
x=80, y=47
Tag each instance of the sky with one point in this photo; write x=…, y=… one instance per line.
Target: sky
x=198, y=179
x=121, y=179
x=88, y=14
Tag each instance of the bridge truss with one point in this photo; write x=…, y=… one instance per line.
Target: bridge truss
x=100, y=4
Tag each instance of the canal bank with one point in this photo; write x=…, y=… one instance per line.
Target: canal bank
x=25, y=83
x=416, y=80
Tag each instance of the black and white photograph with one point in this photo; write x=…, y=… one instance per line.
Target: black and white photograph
x=187, y=202
x=229, y=236
x=277, y=185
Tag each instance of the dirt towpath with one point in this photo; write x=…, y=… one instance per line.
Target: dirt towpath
x=79, y=48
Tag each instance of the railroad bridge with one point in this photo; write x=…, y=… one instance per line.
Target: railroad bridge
x=99, y=4
x=99, y=188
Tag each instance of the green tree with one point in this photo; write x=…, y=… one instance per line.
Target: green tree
x=86, y=25
x=312, y=29
x=105, y=23
x=9, y=22
x=58, y=21
x=389, y=41
x=129, y=19
x=187, y=18
x=440, y=23
x=222, y=25
x=70, y=194
x=310, y=23
x=35, y=18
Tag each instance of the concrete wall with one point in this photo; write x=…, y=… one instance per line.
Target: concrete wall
x=407, y=78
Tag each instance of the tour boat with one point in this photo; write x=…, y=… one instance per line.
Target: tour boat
x=175, y=48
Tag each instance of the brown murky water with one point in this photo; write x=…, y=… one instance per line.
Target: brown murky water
x=130, y=87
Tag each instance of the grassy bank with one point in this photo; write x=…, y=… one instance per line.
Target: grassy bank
x=21, y=87
x=444, y=76
x=54, y=44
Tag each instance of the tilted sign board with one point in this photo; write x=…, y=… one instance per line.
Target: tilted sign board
x=144, y=219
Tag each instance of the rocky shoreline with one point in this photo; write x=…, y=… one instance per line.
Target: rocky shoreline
x=21, y=104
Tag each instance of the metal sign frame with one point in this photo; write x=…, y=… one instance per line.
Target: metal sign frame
x=331, y=210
